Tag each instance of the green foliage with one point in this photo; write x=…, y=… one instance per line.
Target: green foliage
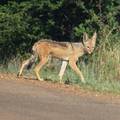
x=23, y=22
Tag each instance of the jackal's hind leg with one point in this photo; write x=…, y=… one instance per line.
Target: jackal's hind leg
x=62, y=70
x=24, y=64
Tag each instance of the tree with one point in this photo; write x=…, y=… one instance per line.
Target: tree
x=22, y=22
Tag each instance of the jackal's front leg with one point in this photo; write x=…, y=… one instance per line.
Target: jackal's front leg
x=62, y=70
x=73, y=65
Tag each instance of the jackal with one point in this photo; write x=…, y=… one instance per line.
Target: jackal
x=66, y=51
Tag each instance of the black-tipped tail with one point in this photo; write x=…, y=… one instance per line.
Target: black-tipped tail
x=30, y=62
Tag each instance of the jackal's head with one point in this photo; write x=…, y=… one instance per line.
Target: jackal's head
x=89, y=43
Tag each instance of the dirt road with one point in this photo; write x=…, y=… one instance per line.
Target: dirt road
x=26, y=100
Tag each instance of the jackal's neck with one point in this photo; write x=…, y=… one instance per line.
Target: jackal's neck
x=80, y=48
x=84, y=50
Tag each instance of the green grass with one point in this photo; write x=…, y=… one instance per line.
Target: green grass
x=101, y=71
x=70, y=77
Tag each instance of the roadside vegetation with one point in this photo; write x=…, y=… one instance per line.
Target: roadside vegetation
x=24, y=22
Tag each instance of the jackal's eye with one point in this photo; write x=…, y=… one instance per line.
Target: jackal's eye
x=88, y=47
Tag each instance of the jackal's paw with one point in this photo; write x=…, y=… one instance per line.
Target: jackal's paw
x=40, y=79
x=83, y=81
x=18, y=74
x=61, y=82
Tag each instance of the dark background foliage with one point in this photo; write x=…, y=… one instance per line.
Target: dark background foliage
x=23, y=22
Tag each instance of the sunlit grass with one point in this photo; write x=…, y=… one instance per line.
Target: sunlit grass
x=101, y=71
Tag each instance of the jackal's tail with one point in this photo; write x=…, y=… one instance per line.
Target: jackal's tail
x=33, y=58
x=30, y=61
x=27, y=64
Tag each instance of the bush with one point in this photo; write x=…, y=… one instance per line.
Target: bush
x=24, y=22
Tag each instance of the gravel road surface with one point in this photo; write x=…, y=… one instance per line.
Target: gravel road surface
x=24, y=100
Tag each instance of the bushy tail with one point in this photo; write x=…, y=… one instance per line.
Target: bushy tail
x=27, y=64
x=30, y=61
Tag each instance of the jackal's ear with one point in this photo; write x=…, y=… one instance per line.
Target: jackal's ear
x=94, y=36
x=85, y=37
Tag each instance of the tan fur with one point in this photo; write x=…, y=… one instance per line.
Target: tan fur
x=69, y=52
